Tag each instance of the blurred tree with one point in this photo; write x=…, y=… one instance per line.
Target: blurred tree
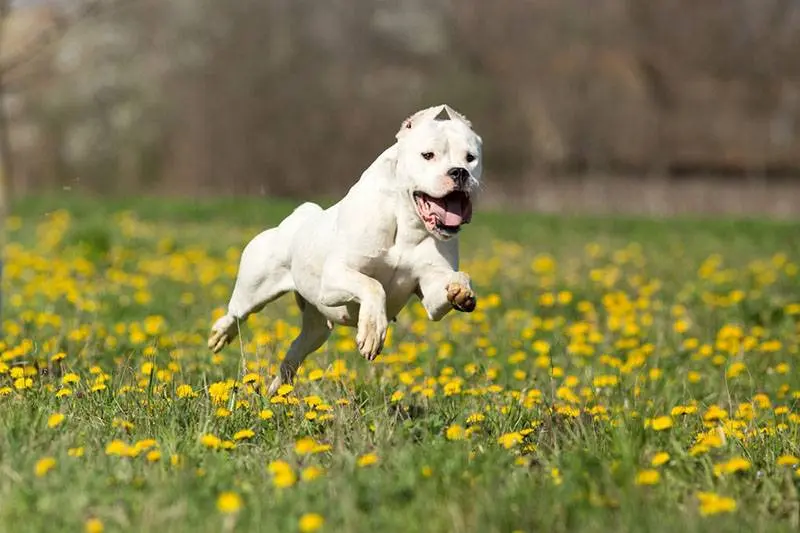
x=6, y=166
x=295, y=97
x=16, y=53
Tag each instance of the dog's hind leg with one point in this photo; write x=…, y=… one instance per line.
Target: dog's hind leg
x=315, y=331
x=263, y=276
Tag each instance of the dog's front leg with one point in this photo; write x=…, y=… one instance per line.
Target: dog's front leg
x=342, y=284
x=444, y=290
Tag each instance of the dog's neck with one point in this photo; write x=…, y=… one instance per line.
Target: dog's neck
x=410, y=229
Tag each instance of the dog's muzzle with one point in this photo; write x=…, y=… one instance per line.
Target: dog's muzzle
x=444, y=216
x=459, y=175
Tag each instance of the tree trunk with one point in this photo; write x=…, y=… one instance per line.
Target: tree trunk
x=6, y=164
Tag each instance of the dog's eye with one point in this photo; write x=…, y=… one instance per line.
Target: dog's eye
x=427, y=156
x=470, y=158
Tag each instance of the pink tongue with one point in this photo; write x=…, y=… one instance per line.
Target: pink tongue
x=448, y=209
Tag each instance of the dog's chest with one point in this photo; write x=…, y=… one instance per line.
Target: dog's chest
x=395, y=271
x=395, y=268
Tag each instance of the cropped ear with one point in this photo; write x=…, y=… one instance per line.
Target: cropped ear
x=438, y=112
x=454, y=115
x=412, y=121
x=443, y=114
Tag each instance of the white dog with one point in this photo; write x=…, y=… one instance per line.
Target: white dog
x=358, y=262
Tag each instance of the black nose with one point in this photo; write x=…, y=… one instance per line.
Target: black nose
x=459, y=174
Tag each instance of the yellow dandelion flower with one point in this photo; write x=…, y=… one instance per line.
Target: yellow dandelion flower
x=648, y=477
x=54, y=420
x=220, y=392
x=735, y=369
x=762, y=401
x=43, y=466
x=661, y=423
x=122, y=424
x=455, y=432
x=698, y=449
x=311, y=473
x=278, y=466
x=714, y=413
x=320, y=448
x=229, y=503
x=305, y=446
x=452, y=388
x=312, y=401
x=367, y=460
x=282, y=474
x=70, y=378
x=244, y=434
x=210, y=441
x=659, y=459
x=310, y=522
x=144, y=445
x=266, y=414
x=185, y=391
x=397, y=396
x=568, y=410
x=251, y=377
x=117, y=447
x=284, y=389
x=93, y=525
x=737, y=464
x=153, y=456
x=476, y=418
x=788, y=460
x=509, y=440
x=23, y=383
x=75, y=452
x=711, y=504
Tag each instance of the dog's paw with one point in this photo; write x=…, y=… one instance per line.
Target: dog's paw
x=461, y=297
x=223, y=332
x=285, y=376
x=275, y=385
x=371, y=333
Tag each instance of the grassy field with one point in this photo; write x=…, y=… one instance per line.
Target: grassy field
x=618, y=375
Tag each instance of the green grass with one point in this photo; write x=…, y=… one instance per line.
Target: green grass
x=604, y=298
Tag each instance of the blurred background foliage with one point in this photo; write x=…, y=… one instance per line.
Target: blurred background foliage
x=635, y=106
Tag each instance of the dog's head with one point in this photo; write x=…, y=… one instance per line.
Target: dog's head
x=439, y=163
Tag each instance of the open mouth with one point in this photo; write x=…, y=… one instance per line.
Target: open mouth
x=444, y=215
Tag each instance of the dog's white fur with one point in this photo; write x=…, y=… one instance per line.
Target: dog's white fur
x=358, y=262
